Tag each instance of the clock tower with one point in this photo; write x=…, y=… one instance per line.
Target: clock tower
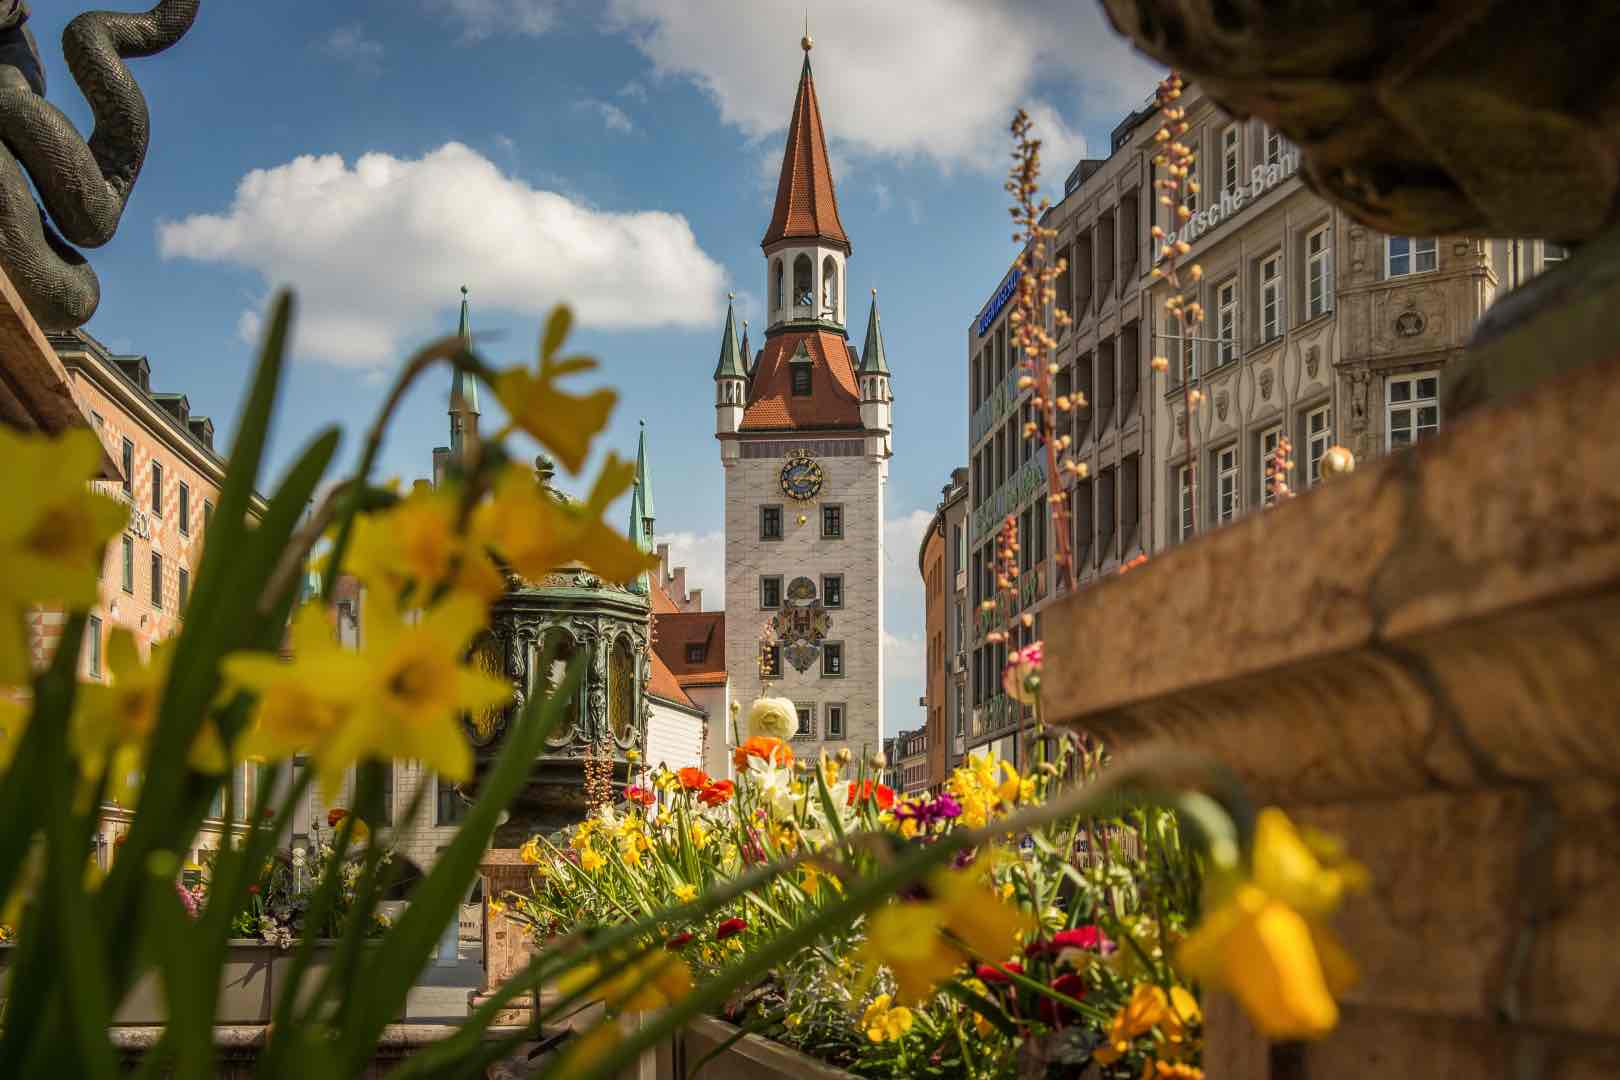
x=804, y=437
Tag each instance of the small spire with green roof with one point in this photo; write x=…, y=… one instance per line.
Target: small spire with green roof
x=731, y=365
x=644, y=485
x=873, y=361
x=463, y=392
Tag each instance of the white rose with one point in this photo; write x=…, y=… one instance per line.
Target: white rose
x=773, y=716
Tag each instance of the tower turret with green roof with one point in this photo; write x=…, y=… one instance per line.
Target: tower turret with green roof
x=730, y=375
x=463, y=395
x=874, y=375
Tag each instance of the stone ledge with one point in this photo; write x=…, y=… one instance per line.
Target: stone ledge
x=1401, y=628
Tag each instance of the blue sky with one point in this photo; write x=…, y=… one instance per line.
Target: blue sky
x=619, y=155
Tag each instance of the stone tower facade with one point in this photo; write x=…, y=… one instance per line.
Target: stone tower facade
x=805, y=439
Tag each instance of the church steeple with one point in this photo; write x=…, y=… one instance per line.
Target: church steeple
x=463, y=394
x=806, y=203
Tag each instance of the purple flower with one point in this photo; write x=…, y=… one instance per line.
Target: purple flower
x=187, y=899
x=943, y=808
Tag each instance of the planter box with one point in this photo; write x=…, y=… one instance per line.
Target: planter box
x=752, y=1057
x=252, y=979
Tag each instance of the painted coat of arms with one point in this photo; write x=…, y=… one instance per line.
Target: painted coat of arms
x=801, y=626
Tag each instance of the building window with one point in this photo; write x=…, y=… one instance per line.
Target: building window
x=157, y=489
x=1184, y=484
x=804, y=293
x=129, y=468
x=129, y=565
x=1231, y=158
x=450, y=809
x=961, y=712
x=1271, y=298
x=387, y=814
x=807, y=721
x=776, y=285
x=157, y=580
x=835, y=721
x=832, y=522
x=1270, y=439
x=1271, y=138
x=770, y=591
x=185, y=587
x=185, y=509
x=1553, y=253
x=801, y=379
x=1412, y=407
x=1411, y=255
x=1318, y=273
x=1191, y=201
x=92, y=647
x=1318, y=437
x=770, y=660
x=832, y=590
x=1226, y=319
x=1226, y=484
x=770, y=523
x=832, y=658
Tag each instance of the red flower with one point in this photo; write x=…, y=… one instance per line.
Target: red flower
x=693, y=778
x=640, y=795
x=1070, y=985
x=764, y=747
x=717, y=794
x=253, y=890
x=1088, y=937
x=677, y=942
x=882, y=792
x=991, y=975
x=730, y=928
x=335, y=815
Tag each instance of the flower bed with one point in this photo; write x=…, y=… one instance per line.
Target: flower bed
x=1047, y=949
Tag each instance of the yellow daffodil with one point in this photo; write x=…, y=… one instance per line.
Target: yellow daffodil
x=530, y=851
x=52, y=534
x=590, y=861
x=1260, y=937
x=13, y=721
x=536, y=531
x=906, y=938
x=884, y=1022
x=685, y=893
x=113, y=723
x=978, y=916
x=657, y=979
x=294, y=713
x=563, y=423
x=1147, y=1008
x=413, y=546
x=407, y=695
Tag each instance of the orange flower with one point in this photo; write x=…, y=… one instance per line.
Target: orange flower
x=766, y=748
x=693, y=778
x=868, y=790
x=335, y=815
x=717, y=794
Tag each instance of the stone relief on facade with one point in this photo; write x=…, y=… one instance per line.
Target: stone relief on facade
x=1410, y=323
x=1313, y=360
x=1223, y=402
x=1267, y=377
x=1402, y=317
x=1358, y=250
x=1181, y=425
x=1359, y=378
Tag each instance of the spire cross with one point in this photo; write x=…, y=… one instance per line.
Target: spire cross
x=807, y=42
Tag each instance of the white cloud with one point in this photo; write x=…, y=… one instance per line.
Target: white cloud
x=613, y=117
x=633, y=90
x=377, y=247
x=884, y=199
x=480, y=19
x=506, y=143
x=350, y=45
x=937, y=80
x=249, y=325
x=704, y=556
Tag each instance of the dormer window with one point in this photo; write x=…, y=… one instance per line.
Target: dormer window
x=694, y=653
x=801, y=378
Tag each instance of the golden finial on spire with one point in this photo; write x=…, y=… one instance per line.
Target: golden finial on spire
x=807, y=42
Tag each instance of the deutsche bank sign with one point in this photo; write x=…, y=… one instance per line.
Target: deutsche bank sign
x=1009, y=285
x=1262, y=178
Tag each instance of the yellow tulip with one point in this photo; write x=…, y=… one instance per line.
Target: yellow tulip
x=52, y=535
x=977, y=915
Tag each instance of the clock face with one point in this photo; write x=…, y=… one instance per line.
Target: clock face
x=801, y=478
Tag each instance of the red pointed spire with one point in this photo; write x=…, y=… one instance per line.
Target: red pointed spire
x=806, y=204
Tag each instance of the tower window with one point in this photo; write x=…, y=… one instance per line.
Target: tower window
x=776, y=285
x=832, y=522
x=694, y=653
x=801, y=379
x=770, y=592
x=829, y=288
x=832, y=658
x=832, y=590
x=770, y=523
x=804, y=292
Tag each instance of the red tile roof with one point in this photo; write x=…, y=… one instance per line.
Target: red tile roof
x=661, y=603
x=673, y=633
x=663, y=684
x=833, y=402
x=806, y=204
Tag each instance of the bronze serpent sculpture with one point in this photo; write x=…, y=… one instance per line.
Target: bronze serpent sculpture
x=84, y=186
